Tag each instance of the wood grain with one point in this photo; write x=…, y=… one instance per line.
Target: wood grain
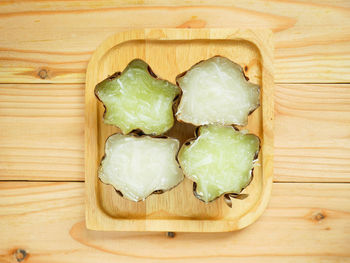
x=312, y=128
x=182, y=48
x=306, y=117
x=50, y=42
x=42, y=132
x=33, y=5
x=303, y=223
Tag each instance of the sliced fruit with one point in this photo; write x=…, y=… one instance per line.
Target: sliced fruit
x=219, y=161
x=216, y=91
x=137, y=166
x=137, y=99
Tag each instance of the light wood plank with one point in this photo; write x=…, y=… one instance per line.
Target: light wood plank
x=49, y=43
x=44, y=140
x=303, y=223
x=33, y=5
x=312, y=128
x=42, y=132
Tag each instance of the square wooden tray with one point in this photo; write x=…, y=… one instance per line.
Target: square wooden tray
x=170, y=52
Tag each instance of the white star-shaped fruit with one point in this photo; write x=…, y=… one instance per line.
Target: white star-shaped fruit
x=216, y=91
x=138, y=166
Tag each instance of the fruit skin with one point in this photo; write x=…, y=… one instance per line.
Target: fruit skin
x=111, y=87
x=229, y=194
x=183, y=74
x=138, y=134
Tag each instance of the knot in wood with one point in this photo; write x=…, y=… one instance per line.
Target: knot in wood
x=170, y=234
x=43, y=73
x=319, y=216
x=20, y=254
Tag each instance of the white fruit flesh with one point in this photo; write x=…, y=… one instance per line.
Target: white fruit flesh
x=138, y=166
x=220, y=161
x=215, y=91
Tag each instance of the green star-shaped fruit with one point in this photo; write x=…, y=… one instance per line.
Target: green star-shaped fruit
x=219, y=161
x=137, y=99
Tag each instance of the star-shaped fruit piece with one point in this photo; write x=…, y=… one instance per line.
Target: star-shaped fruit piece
x=137, y=166
x=219, y=161
x=216, y=91
x=137, y=99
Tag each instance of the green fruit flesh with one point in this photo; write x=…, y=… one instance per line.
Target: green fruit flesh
x=219, y=161
x=137, y=100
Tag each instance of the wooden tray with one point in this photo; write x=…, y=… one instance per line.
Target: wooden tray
x=170, y=52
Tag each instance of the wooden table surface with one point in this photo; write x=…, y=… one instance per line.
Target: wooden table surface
x=44, y=50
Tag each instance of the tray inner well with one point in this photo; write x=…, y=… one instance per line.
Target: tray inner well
x=168, y=59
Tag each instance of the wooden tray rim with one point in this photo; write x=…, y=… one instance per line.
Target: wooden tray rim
x=262, y=39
